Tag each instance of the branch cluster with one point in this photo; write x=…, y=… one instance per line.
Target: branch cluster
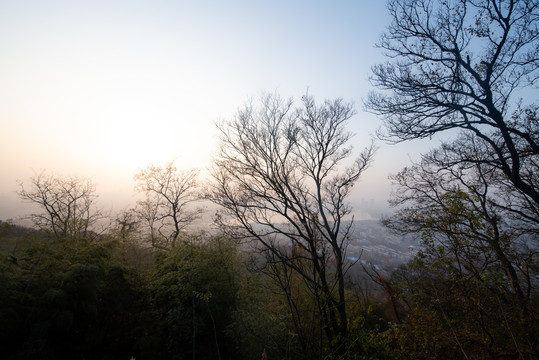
x=166, y=210
x=283, y=176
x=456, y=65
x=67, y=204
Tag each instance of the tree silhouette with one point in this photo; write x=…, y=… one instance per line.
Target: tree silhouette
x=67, y=204
x=280, y=176
x=165, y=209
x=459, y=65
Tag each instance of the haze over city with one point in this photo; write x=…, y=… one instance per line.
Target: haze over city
x=101, y=89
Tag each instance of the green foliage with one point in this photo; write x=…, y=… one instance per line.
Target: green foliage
x=457, y=315
x=474, y=276
x=261, y=321
x=111, y=299
x=195, y=294
x=66, y=299
x=371, y=335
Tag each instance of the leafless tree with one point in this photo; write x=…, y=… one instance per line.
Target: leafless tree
x=67, y=204
x=166, y=209
x=283, y=176
x=469, y=223
x=459, y=65
x=126, y=224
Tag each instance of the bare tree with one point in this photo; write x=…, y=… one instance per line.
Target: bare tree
x=458, y=65
x=166, y=211
x=126, y=224
x=471, y=230
x=283, y=175
x=67, y=204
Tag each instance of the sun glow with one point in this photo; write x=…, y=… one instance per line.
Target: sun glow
x=102, y=89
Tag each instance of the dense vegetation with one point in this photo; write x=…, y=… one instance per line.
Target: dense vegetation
x=111, y=299
x=115, y=298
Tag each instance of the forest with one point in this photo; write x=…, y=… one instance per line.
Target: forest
x=269, y=276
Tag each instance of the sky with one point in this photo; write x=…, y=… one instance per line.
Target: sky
x=101, y=89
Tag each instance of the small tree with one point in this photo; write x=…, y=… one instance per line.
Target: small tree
x=165, y=209
x=479, y=255
x=67, y=204
x=280, y=177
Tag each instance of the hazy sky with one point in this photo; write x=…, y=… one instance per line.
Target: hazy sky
x=100, y=89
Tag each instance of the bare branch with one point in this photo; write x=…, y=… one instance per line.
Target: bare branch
x=281, y=176
x=166, y=209
x=456, y=65
x=67, y=204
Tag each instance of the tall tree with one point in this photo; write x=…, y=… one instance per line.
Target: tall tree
x=168, y=194
x=283, y=175
x=68, y=205
x=459, y=65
